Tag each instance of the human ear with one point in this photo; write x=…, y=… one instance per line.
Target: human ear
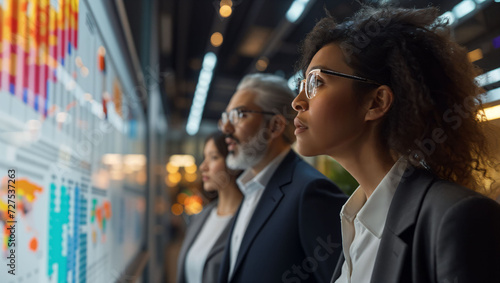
x=380, y=102
x=277, y=125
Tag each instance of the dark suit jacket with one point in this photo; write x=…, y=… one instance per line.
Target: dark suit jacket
x=294, y=234
x=437, y=231
x=214, y=258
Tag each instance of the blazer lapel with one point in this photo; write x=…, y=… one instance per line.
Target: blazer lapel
x=221, y=242
x=338, y=268
x=268, y=202
x=392, y=257
x=196, y=226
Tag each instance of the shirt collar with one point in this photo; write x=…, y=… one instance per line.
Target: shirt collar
x=249, y=183
x=372, y=213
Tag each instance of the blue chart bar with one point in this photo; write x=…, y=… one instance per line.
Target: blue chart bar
x=58, y=220
x=82, y=223
x=73, y=240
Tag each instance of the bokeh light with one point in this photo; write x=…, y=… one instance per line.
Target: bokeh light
x=177, y=209
x=216, y=39
x=225, y=11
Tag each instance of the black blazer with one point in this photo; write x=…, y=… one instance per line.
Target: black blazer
x=437, y=231
x=214, y=258
x=294, y=233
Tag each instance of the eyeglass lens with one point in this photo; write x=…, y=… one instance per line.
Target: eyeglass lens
x=231, y=117
x=311, y=84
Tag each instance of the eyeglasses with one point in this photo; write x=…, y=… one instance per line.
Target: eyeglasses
x=310, y=83
x=234, y=116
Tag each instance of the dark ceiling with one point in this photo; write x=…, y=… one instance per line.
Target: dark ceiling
x=256, y=29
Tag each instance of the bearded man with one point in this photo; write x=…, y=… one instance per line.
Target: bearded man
x=287, y=228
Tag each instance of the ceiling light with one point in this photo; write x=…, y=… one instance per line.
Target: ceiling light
x=200, y=94
x=488, y=78
x=296, y=10
x=492, y=95
x=474, y=55
x=225, y=11
x=216, y=39
x=209, y=61
x=492, y=113
x=463, y=8
x=261, y=64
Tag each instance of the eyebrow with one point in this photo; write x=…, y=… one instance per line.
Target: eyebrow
x=317, y=67
x=239, y=107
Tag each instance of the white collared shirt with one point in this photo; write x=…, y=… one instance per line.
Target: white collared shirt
x=363, y=222
x=252, y=188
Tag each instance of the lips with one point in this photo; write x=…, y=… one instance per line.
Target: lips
x=300, y=126
x=231, y=144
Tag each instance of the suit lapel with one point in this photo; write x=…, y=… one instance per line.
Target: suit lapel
x=224, y=272
x=392, y=258
x=268, y=202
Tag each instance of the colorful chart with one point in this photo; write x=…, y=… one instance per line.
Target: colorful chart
x=62, y=114
x=36, y=37
x=26, y=194
x=100, y=215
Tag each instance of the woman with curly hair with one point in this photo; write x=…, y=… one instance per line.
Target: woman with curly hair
x=394, y=100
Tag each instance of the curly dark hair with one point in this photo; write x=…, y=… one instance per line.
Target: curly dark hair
x=435, y=118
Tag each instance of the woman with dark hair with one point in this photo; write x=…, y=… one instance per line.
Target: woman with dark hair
x=203, y=249
x=394, y=100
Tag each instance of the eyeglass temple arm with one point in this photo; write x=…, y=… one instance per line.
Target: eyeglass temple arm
x=349, y=76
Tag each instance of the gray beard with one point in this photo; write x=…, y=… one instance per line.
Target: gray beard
x=249, y=153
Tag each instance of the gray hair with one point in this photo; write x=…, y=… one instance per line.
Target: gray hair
x=273, y=95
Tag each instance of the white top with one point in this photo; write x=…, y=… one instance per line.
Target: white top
x=252, y=188
x=198, y=253
x=363, y=222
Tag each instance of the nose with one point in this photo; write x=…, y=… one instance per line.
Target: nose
x=203, y=165
x=300, y=103
x=227, y=128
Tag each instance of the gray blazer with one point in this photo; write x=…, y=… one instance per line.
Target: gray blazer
x=437, y=231
x=214, y=258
